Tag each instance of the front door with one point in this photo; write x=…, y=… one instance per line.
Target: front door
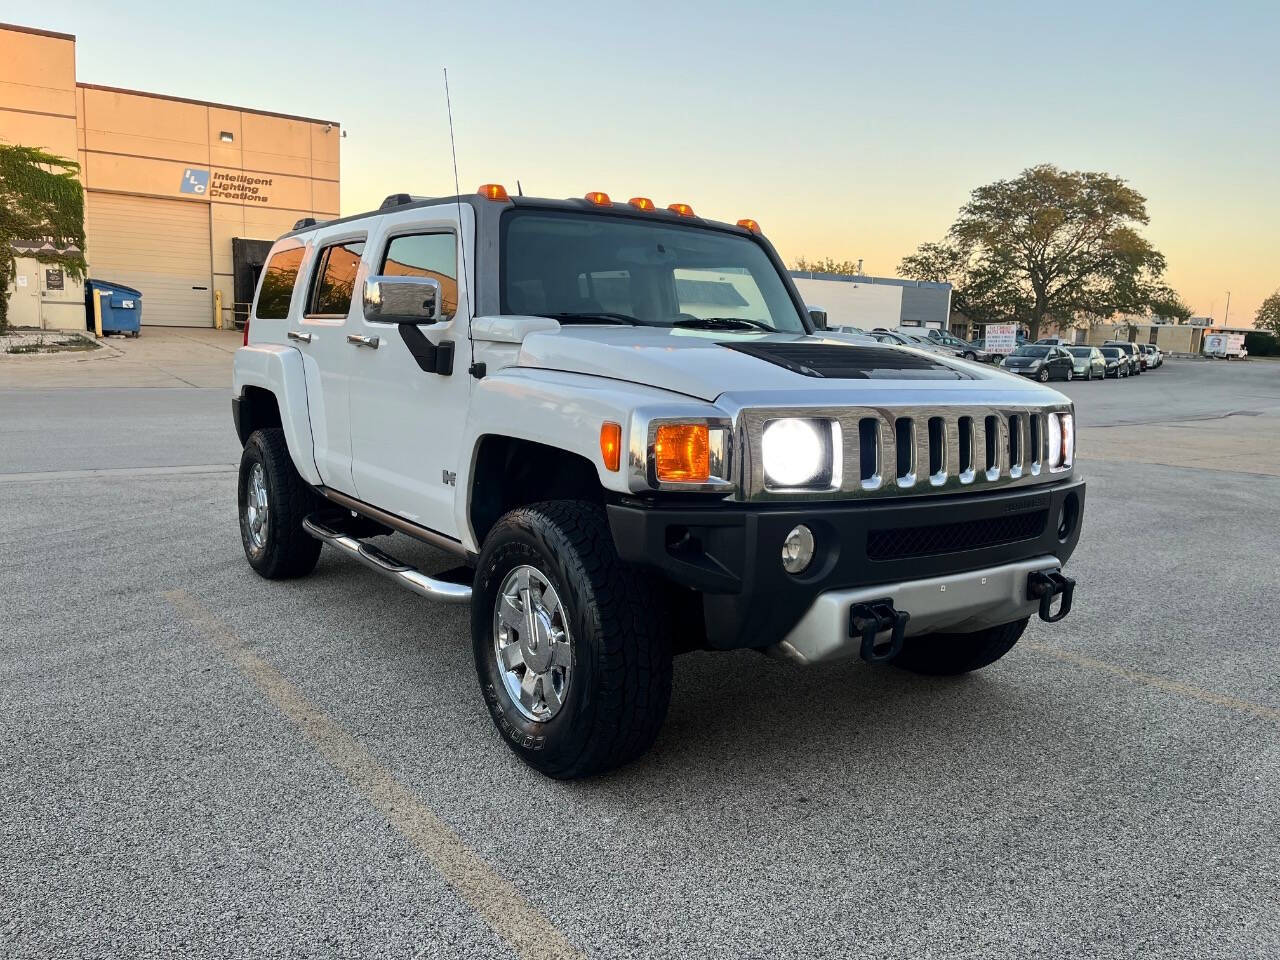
x=406, y=422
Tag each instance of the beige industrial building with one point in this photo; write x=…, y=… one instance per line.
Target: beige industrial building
x=181, y=196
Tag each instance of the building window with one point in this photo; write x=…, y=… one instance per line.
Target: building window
x=226, y=136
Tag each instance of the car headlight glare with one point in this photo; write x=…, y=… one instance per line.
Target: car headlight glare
x=800, y=453
x=1062, y=441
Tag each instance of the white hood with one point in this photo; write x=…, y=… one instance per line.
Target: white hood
x=700, y=363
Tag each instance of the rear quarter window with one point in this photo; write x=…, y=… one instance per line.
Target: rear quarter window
x=278, y=280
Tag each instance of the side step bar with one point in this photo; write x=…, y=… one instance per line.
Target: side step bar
x=406, y=576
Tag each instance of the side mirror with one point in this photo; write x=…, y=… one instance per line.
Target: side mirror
x=402, y=299
x=818, y=316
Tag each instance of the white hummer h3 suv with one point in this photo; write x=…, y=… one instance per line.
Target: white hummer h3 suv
x=631, y=440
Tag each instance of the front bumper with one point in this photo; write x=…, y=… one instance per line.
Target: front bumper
x=731, y=552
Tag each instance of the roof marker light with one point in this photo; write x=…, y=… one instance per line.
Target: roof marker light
x=598, y=197
x=749, y=225
x=641, y=203
x=681, y=208
x=494, y=191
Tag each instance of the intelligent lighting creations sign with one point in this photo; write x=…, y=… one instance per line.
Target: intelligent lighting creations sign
x=226, y=185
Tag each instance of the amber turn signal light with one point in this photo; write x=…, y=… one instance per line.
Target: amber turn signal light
x=749, y=225
x=493, y=191
x=598, y=197
x=641, y=203
x=681, y=208
x=611, y=445
x=682, y=453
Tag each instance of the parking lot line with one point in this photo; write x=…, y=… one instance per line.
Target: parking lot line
x=495, y=899
x=1163, y=683
x=116, y=473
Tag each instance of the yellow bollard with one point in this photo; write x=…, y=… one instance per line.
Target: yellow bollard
x=97, y=315
x=217, y=309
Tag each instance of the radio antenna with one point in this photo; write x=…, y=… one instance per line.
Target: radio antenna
x=457, y=191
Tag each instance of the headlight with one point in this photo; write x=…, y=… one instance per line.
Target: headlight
x=801, y=454
x=1035, y=363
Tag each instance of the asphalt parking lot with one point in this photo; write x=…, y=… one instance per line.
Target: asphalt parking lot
x=196, y=762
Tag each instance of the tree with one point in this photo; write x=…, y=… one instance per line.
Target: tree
x=1268, y=316
x=1048, y=245
x=1166, y=303
x=41, y=202
x=845, y=268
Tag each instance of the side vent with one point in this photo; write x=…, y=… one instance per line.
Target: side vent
x=395, y=200
x=304, y=223
x=1015, y=445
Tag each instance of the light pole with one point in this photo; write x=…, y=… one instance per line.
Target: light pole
x=1227, y=312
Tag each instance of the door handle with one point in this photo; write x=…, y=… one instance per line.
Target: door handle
x=360, y=341
x=299, y=336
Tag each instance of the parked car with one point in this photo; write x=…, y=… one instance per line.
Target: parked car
x=962, y=348
x=1154, y=357
x=623, y=472
x=1117, y=361
x=901, y=339
x=1087, y=363
x=1040, y=361
x=1055, y=341
x=1136, y=363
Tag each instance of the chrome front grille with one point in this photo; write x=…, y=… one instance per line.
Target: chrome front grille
x=914, y=450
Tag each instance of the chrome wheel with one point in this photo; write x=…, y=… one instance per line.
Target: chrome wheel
x=255, y=507
x=532, y=644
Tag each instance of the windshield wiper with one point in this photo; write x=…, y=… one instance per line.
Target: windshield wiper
x=724, y=323
x=602, y=317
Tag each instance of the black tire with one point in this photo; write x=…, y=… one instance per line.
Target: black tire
x=970, y=355
x=287, y=550
x=1043, y=375
x=949, y=654
x=620, y=687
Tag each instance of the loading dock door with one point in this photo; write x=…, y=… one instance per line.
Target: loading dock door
x=159, y=247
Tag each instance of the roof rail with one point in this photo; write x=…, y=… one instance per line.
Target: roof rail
x=399, y=200
x=304, y=223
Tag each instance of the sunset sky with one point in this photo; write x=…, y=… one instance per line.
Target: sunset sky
x=848, y=130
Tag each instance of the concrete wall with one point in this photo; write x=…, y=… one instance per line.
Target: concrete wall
x=274, y=170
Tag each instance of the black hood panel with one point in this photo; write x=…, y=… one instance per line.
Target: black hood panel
x=831, y=361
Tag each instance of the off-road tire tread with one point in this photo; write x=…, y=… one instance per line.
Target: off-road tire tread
x=291, y=552
x=950, y=654
x=632, y=645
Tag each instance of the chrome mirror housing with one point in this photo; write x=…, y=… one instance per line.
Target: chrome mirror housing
x=402, y=299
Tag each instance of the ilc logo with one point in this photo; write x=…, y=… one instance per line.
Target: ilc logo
x=195, y=181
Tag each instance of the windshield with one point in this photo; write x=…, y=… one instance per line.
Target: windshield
x=1081, y=351
x=1030, y=351
x=1111, y=352
x=624, y=270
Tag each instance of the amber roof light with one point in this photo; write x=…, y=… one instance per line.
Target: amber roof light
x=493, y=191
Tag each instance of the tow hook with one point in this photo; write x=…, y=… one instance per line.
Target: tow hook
x=873, y=618
x=1047, y=584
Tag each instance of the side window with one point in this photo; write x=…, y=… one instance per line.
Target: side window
x=278, y=278
x=433, y=255
x=335, y=279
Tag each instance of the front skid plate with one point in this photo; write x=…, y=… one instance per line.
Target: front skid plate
x=959, y=603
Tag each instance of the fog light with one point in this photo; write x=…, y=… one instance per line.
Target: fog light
x=797, y=549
